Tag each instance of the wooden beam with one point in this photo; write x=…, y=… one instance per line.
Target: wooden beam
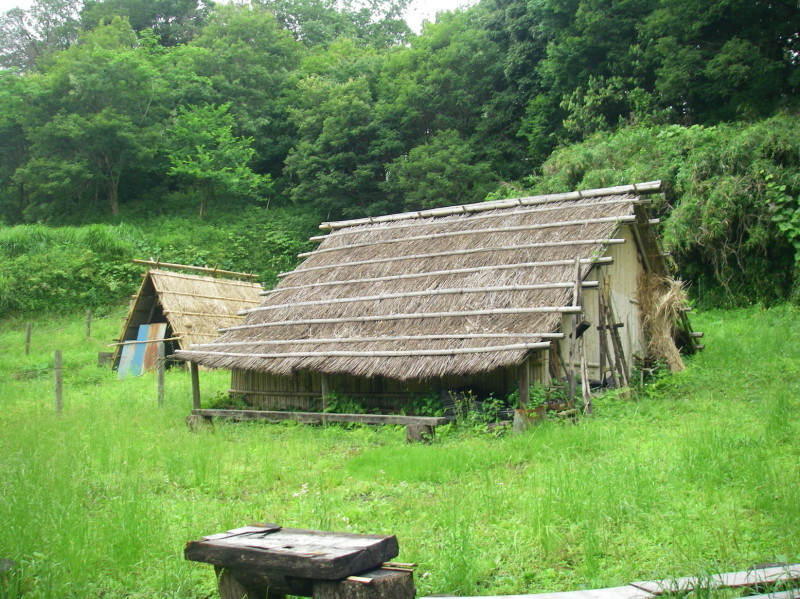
x=605, y=260
x=145, y=341
x=492, y=215
x=530, y=227
x=425, y=293
x=318, y=417
x=194, y=370
x=641, y=188
x=410, y=316
x=481, y=250
x=377, y=353
x=379, y=339
x=158, y=264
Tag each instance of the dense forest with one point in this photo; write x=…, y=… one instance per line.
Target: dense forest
x=211, y=133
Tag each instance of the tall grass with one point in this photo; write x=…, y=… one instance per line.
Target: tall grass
x=698, y=475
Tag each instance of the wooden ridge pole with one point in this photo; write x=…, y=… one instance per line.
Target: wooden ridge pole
x=205, y=269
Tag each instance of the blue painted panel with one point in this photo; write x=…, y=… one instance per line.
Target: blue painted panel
x=132, y=358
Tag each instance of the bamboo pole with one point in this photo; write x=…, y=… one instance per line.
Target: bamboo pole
x=641, y=188
x=411, y=316
x=493, y=215
x=188, y=277
x=158, y=264
x=425, y=293
x=481, y=250
x=530, y=227
x=145, y=341
x=381, y=339
x=58, y=382
x=605, y=260
x=377, y=354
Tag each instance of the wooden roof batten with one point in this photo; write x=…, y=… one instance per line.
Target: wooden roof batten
x=380, y=297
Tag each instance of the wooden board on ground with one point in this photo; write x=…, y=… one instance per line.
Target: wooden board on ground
x=291, y=552
x=319, y=417
x=732, y=580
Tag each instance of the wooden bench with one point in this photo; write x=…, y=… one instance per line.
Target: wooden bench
x=268, y=561
x=418, y=428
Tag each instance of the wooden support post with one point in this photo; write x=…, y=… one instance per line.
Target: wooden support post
x=524, y=376
x=193, y=368
x=57, y=379
x=383, y=584
x=573, y=339
x=230, y=587
x=27, y=339
x=324, y=390
x=88, y=324
x=162, y=364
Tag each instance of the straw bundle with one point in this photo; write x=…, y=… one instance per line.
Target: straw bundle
x=662, y=300
x=426, y=296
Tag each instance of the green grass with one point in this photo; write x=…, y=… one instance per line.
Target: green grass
x=699, y=475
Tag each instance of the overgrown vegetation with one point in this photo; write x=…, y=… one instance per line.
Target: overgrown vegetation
x=114, y=110
x=699, y=475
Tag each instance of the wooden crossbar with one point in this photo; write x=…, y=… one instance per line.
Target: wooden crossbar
x=425, y=293
x=410, y=316
x=530, y=227
x=502, y=248
x=378, y=353
x=439, y=273
x=381, y=339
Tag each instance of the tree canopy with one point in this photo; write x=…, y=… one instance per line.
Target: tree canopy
x=108, y=107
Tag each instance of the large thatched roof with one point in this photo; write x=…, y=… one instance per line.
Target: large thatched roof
x=425, y=294
x=194, y=306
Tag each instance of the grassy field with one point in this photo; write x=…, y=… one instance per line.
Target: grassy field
x=700, y=474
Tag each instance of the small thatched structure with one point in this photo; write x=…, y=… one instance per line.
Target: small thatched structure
x=465, y=296
x=192, y=307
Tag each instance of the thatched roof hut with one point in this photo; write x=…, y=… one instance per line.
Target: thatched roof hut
x=447, y=293
x=191, y=307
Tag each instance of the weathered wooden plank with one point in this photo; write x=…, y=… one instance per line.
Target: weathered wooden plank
x=320, y=417
x=626, y=592
x=743, y=579
x=292, y=552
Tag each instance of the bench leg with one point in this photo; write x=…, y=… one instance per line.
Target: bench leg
x=419, y=433
x=383, y=584
x=231, y=587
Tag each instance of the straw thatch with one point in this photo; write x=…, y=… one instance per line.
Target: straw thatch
x=193, y=306
x=662, y=300
x=449, y=291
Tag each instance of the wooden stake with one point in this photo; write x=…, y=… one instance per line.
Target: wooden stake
x=193, y=369
x=88, y=324
x=57, y=379
x=524, y=383
x=324, y=390
x=162, y=359
x=27, y=339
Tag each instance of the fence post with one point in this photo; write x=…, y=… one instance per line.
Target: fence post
x=161, y=366
x=88, y=323
x=27, y=339
x=57, y=366
x=195, y=385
